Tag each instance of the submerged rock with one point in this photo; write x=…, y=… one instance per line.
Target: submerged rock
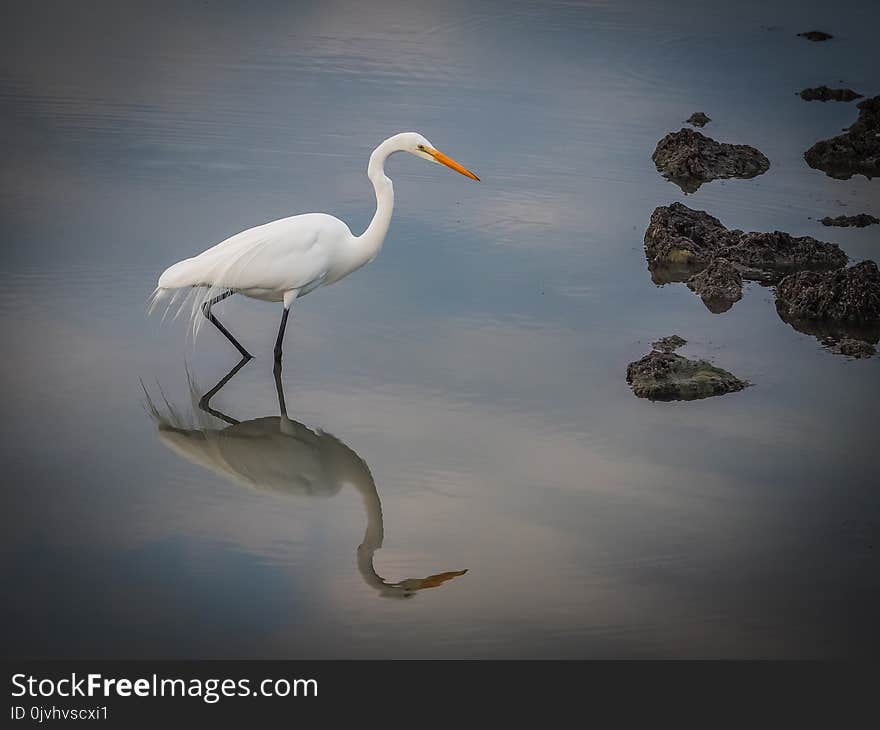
x=698, y=119
x=850, y=295
x=767, y=257
x=841, y=308
x=823, y=93
x=667, y=376
x=680, y=242
x=845, y=221
x=816, y=35
x=678, y=235
x=719, y=285
x=856, y=151
x=853, y=348
x=669, y=344
x=689, y=159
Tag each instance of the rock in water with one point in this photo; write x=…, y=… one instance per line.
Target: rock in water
x=768, y=257
x=669, y=344
x=850, y=295
x=856, y=151
x=816, y=35
x=854, y=348
x=678, y=235
x=823, y=93
x=667, y=376
x=839, y=308
x=845, y=221
x=680, y=241
x=719, y=285
x=689, y=159
x=698, y=119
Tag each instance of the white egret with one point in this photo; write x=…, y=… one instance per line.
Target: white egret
x=286, y=259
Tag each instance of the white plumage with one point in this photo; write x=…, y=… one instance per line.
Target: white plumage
x=288, y=258
x=264, y=262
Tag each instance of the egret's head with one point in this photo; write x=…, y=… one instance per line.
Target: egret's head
x=416, y=144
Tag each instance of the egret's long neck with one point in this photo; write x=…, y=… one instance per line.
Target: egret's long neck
x=371, y=240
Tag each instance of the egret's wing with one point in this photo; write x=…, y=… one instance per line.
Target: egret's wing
x=284, y=255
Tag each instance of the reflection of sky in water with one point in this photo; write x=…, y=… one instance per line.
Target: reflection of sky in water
x=476, y=367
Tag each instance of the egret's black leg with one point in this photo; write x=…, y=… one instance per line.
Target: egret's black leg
x=281, y=336
x=206, y=310
x=205, y=401
x=279, y=389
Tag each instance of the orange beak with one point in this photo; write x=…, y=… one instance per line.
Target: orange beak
x=450, y=163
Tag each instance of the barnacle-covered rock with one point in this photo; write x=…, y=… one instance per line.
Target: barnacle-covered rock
x=719, y=285
x=689, y=158
x=856, y=151
x=848, y=295
x=698, y=119
x=666, y=376
x=860, y=220
x=680, y=242
x=823, y=93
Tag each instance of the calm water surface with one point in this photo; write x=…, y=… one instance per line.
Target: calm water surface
x=459, y=404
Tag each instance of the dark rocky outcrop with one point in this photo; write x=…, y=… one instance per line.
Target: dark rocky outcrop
x=719, y=285
x=689, y=159
x=816, y=35
x=767, y=257
x=856, y=151
x=698, y=119
x=845, y=221
x=823, y=93
x=840, y=308
x=681, y=241
x=853, y=348
x=666, y=376
x=849, y=295
x=678, y=235
x=669, y=344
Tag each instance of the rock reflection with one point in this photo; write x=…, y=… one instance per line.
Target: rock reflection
x=280, y=455
x=670, y=273
x=683, y=273
x=837, y=336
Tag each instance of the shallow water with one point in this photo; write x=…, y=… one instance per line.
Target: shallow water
x=472, y=377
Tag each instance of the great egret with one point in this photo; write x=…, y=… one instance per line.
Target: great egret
x=280, y=455
x=286, y=259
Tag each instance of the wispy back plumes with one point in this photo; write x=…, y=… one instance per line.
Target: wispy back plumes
x=197, y=281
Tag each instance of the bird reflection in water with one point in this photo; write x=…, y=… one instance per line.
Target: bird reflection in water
x=278, y=454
